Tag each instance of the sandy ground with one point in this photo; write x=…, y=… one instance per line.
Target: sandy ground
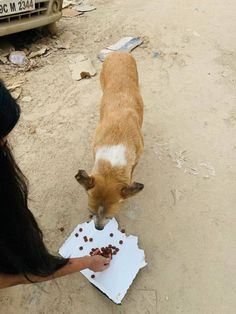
x=185, y=217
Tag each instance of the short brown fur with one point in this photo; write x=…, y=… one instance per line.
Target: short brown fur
x=121, y=116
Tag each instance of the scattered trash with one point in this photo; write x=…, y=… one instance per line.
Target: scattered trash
x=26, y=99
x=15, y=88
x=31, y=65
x=85, y=7
x=66, y=3
x=155, y=54
x=11, y=88
x=68, y=12
x=81, y=67
x=18, y=57
x=38, y=53
x=16, y=93
x=126, y=44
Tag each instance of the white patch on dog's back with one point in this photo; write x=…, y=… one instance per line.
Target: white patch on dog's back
x=115, y=154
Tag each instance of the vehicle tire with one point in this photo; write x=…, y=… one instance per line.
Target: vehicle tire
x=52, y=28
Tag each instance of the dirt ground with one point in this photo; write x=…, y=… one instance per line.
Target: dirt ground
x=185, y=217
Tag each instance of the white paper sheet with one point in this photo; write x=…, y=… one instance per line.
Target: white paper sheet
x=116, y=280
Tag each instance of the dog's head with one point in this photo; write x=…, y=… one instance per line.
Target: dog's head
x=105, y=195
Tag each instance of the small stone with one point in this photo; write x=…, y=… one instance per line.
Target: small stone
x=81, y=248
x=90, y=239
x=122, y=230
x=80, y=229
x=61, y=229
x=32, y=130
x=92, y=276
x=111, y=234
x=120, y=242
x=27, y=99
x=76, y=235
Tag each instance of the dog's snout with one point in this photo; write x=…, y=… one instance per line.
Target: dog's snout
x=99, y=227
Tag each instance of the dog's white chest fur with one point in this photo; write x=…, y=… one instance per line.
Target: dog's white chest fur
x=115, y=154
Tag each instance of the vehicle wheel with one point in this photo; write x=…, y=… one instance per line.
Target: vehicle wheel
x=52, y=28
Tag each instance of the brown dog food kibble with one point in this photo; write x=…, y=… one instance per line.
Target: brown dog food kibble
x=90, y=239
x=120, y=242
x=80, y=229
x=91, y=216
x=107, y=251
x=85, y=239
x=61, y=229
x=76, y=235
x=122, y=230
x=81, y=248
x=111, y=234
x=92, y=276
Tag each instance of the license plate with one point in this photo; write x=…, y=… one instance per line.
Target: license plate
x=8, y=7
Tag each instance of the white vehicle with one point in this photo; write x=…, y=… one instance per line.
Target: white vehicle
x=20, y=15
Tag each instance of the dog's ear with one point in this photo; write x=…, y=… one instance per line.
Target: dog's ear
x=85, y=180
x=131, y=189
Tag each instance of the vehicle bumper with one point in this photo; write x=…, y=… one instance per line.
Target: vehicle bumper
x=20, y=26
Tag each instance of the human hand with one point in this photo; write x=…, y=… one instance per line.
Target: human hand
x=98, y=262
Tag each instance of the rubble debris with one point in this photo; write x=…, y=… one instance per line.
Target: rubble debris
x=38, y=53
x=67, y=3
x=85, y=7
x=16, y=93
x=125, y=44
x=26, y=99
x=69, y=12
x=81, y=67
x=15, y=88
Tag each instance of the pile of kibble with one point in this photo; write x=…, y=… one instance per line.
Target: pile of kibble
x=107, y=251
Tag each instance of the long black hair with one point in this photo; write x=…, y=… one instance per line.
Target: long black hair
x=22, y=250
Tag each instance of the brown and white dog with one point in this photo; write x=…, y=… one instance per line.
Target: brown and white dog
x=118, y=141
